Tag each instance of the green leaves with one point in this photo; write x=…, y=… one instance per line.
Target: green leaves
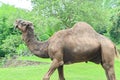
x=115, y=30
x=68, y=12
x=50, y=16
x=10, y=43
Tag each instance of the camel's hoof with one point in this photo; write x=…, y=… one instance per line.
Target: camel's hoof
x=45, y=78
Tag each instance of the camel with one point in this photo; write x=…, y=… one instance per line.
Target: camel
x=81, y=43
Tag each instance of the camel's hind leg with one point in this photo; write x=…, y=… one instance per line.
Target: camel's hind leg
x=108, y=63
x=109, y=69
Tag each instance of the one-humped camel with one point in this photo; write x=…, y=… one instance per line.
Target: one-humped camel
x=81, y=43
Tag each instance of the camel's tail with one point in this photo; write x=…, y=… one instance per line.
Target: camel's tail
x=117, y=53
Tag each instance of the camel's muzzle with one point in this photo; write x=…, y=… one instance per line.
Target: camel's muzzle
x=15, y=26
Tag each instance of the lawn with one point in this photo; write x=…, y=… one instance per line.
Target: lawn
x=77, y=71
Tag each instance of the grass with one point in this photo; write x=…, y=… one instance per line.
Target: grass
x=77, y=71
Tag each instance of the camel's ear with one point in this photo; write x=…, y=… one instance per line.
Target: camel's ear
x=29, y=25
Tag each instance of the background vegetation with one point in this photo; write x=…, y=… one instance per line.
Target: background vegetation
x=50, y=16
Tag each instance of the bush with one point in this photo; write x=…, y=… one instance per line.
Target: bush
x=10, y=43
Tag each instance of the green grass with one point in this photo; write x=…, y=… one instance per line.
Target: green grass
x=77, y=71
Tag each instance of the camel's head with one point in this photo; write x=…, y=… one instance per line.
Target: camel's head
x=23, y=25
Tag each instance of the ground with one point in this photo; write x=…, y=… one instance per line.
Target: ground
x=18, y=63
x=77, y=71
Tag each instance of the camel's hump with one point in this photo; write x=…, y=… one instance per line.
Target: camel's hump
x=83, y=27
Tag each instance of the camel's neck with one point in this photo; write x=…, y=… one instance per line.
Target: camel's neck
x=36, y=47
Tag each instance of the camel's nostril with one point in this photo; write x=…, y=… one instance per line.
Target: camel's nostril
x=16, y=26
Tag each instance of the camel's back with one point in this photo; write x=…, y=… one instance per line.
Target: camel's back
x=79, y=30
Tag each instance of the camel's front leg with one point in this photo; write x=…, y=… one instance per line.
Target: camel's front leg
x=55, y=64
x=61, y=73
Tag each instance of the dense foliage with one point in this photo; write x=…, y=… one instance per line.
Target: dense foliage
x=68, y=12
x=50, y=16
x=115, y=19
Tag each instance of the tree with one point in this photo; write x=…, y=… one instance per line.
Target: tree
x=115, y=19
x=71, y=11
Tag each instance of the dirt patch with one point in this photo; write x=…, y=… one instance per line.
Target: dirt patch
x=17, y=63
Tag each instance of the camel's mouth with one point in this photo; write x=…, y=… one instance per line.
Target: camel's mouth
x=15, y=26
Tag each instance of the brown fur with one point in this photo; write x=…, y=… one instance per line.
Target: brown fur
x=78, y=44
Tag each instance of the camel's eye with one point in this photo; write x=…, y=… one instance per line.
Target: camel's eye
x=23, y=24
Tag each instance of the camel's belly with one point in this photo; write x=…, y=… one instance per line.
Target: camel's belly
x=80, y=53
